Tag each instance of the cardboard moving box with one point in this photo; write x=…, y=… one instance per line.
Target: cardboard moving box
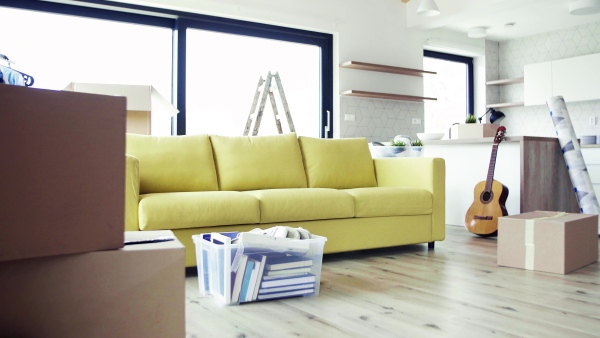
x=148, y=112
x=473, y=130
x=137, y=291
x=548, y=241
x=63, y=172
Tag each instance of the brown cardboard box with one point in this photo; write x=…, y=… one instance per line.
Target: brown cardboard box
x=63, y=172
x=473, y=130
x=148, y=112
x=137, y=291
x=548, y=241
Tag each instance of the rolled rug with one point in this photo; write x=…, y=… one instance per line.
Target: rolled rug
x=582, y=184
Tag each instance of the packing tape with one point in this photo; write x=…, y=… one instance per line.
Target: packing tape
x=529, y=244
x=529, y=241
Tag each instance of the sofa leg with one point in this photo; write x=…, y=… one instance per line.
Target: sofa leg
x=431, y=245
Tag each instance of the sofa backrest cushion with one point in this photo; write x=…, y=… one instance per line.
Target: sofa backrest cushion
x=174, y=163
x=258, y=162
x=337, y=163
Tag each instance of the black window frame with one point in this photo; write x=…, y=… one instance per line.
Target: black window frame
x=179, y=21
x=468, y=61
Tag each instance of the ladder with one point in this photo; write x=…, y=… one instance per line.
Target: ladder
x=268, y=91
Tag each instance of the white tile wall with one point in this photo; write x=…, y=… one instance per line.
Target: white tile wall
x=379, y=120
x=514, y=54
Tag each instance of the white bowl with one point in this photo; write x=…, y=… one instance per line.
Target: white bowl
x=430, y=136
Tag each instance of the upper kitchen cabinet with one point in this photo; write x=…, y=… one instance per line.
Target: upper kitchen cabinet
x=575, y=79
x=538, y=83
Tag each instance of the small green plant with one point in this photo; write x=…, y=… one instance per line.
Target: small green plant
x=397, y=144
x=471, y=119
x=417, y=143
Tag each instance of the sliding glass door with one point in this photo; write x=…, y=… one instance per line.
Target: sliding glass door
x=223, y=72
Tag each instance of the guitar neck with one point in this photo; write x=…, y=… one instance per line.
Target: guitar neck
x=490, y=175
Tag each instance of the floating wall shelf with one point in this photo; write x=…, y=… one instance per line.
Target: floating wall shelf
x=384, y=69
x=505, y=105
x=386, y=96
x=505, y=82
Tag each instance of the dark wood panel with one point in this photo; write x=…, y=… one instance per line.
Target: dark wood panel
x=545, y=181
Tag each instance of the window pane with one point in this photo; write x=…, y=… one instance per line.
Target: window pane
x=449, y=86
x=66, y=49
x=222, y=75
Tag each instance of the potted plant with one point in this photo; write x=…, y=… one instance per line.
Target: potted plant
x=398, y=148
x=416, y=148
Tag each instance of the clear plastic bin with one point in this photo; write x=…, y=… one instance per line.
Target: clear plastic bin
x=237, y=273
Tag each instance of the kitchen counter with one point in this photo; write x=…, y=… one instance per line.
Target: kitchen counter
x=491, y=140
x=532, y=168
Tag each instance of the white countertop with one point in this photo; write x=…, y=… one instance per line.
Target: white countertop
x=491, y=140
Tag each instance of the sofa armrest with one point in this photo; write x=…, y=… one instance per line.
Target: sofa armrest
x=132, y=192
x=418, y=172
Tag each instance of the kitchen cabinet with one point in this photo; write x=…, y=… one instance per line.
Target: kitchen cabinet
x=575, y=79
x=591, y=156
x=538, y=83
x=532, y=168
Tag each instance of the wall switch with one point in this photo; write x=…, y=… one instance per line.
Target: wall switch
x=416, y=120
x=592, y=120
x=349, y=117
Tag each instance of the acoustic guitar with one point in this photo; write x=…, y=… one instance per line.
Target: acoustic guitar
x=489, y=198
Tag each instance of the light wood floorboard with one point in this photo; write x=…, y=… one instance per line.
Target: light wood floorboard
x=455, y=290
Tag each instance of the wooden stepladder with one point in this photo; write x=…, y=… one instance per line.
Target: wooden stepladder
x=268, y=91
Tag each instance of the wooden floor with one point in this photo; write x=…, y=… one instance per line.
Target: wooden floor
x=456, y=290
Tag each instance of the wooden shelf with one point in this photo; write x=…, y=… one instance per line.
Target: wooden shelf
x=384, y=69
x=505, y=105
x=505, y=82
x=386, y=96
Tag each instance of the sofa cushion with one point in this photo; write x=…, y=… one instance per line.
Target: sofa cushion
x=288, y=205
x=180, y=210
x=258, y=162
x=173, y=163
x=391, y=201
x=338, y=164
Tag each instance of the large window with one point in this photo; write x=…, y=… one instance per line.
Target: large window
x=66, y=48
x=453, y=88
x=223, y=77
x=130, y=44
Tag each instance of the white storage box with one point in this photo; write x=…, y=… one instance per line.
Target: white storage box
x=237, y=273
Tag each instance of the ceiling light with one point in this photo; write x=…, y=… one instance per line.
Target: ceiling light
x=428, y=8
x=584, y=7
x=477, y=32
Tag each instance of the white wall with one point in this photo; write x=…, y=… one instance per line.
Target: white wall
x=511, y=56
x=364, y=30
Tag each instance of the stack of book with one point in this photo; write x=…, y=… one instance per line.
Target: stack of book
x=269, y=276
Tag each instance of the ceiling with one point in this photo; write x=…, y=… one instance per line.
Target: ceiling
x=530, y=17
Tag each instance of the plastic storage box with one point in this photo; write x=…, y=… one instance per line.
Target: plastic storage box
x=239, y=273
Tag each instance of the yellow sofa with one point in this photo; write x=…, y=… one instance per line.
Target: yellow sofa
x=331, y=187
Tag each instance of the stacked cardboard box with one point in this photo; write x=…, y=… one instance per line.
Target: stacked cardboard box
x=64, y=270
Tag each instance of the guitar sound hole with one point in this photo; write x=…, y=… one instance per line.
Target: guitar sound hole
x=487, y=196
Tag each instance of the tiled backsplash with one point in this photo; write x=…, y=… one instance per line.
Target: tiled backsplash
x=513, y=55
x=379, y=120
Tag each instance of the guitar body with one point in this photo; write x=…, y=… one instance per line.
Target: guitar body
x=482, y=216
